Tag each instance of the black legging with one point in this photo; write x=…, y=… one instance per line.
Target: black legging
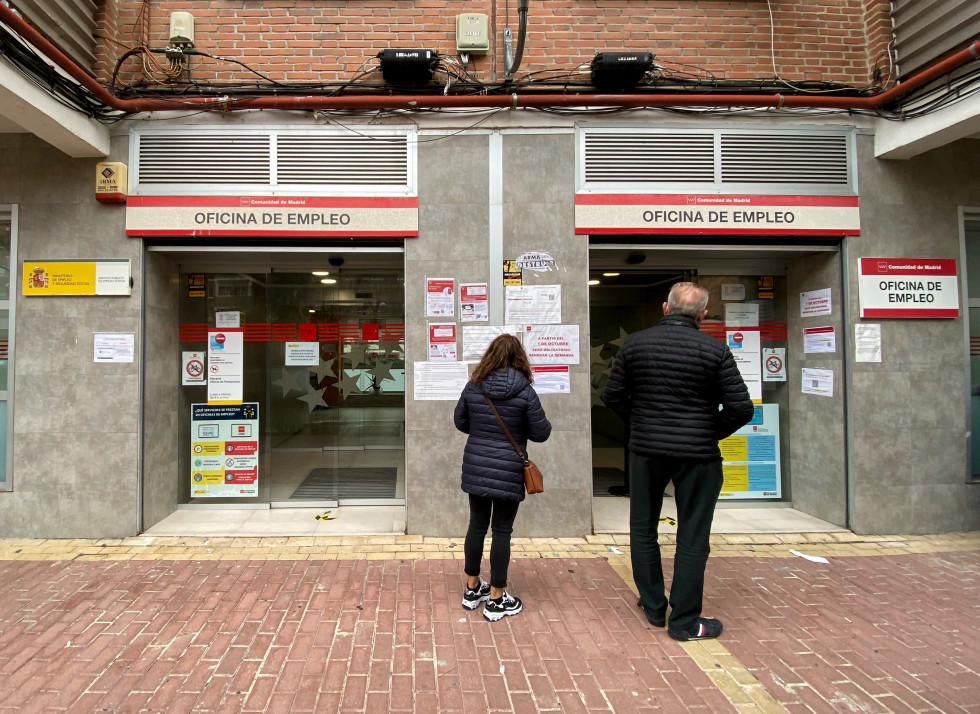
x=498, y=514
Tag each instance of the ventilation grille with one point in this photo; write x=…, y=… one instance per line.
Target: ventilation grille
x=212, y=159
x=649, y=157
x=261, y=161
x=928, y=30
x=337, y=160
x=715, y=160
x=747, y=158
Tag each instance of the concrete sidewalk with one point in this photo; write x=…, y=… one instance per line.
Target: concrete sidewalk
x=374, y=624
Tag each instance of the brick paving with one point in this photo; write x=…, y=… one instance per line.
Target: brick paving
x=376, y=625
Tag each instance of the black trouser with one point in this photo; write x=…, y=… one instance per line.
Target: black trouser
x=696, y=489
x=498, y=514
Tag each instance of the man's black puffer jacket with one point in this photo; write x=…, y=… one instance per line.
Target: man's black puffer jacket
x=666, y=384
x=491, y=467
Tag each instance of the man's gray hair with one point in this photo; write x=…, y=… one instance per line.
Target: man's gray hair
x=687, y=299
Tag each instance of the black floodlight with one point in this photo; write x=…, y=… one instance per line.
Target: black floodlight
x=619, y=70
x=408, y=67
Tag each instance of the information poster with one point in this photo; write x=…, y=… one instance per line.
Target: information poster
x=225, y=450
x=476, y=338
x=302, y=354
x=750, y=457
x=114, y=346
x=473, y=302
x=551, y=379
x=774, y=364
x=226, y=366
x=819, y=339
x=867, y=343
x=440, y=298
x=552, y=344
x=532, y=304
x=818, y=381
x=439, y=381
x=815, y=302
x=442, y=341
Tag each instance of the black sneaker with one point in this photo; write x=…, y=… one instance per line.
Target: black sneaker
x=472, y=597
x=653, y=619
x=704, y=629
x=503, y=606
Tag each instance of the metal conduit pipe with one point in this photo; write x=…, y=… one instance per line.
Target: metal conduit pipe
x=514, y=101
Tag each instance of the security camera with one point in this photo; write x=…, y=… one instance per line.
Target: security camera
x=336, y=261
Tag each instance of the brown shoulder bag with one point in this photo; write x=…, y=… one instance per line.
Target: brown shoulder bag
x=533, y=479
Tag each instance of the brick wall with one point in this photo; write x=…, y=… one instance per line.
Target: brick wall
x=332, y=40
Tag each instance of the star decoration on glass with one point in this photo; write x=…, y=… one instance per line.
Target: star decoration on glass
x=348, y=384
x=596, y=353
x=313, y=398
x=356, y=355
x=623, y=334
x=381, y=371
x=390, y=346
x=292, y=381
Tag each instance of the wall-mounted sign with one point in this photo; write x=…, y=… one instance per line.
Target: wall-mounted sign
x=908, y=287
x=77, y=277
x=746, y=214
x=272, y=216
x=111, y=182
x=225, y=450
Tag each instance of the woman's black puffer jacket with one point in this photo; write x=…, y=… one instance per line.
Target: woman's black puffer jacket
x=491, y=467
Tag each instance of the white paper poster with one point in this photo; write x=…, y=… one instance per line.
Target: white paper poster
x=114, y=346
x=819, y=339
x=443, y=381
x=228, y=318
x=532, y=304
x=192, y=368
x=224, y=450
x=815, y=302
x=732, y=291
x=773, y=364
x=473, y=302
x=552, y=344
x=818, y=381
x=440, y=298
x=742, y=314
x=226, y=366
x=442, y=341
x=744, y=342
x=300, y=354
x=867, y=343
x=476, y=338
x=551, y=379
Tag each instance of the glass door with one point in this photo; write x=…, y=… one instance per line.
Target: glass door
x=323, y=354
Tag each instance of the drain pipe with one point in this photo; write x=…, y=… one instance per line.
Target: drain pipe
x=513, y=100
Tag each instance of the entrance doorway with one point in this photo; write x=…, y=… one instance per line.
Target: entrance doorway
x=628, y=286
x=324, y=364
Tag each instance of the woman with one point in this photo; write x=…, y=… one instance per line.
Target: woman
x=493, y=472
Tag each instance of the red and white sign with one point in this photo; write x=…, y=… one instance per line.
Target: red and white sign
x=908, y=287
x=717, y=214
x=272, y=216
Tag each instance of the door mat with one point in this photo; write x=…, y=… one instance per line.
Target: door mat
x=333, y=484
x=603, y=477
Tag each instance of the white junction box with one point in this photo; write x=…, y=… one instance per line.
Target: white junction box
x=471, y=33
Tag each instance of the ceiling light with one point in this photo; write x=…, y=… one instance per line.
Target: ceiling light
x=321, y=272
x=593, y=282
x=619, y=70
x=610, y=275
x=311, y=311
x=328, y=281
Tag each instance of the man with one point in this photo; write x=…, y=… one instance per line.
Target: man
x=667, y=385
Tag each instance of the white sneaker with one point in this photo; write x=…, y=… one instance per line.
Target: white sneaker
x=472, y=597
x=503, y=606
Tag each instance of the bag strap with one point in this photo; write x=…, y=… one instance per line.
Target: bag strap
x=506, y=431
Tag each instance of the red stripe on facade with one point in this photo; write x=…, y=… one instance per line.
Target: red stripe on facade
x=709, y=201
x=597, y=230
x=273, y=202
